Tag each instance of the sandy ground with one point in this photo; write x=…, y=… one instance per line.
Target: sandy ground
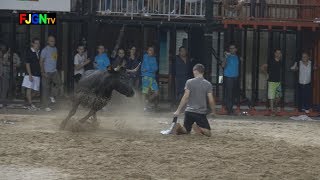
x=129, y=146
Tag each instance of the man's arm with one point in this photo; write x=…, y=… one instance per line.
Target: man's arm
x=212, y=103
x=183, y=101
x=42, y=65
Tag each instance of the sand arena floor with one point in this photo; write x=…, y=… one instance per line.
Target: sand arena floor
x=129, y=146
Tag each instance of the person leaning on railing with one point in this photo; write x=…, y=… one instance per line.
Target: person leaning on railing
x=233, y=8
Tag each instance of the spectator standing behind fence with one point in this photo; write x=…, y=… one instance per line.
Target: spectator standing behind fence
x=273, y=69
x=80, y=61
x=51, y=81
x=304, y=86
x=231, y=77
x=150, y=87
x=120, y=60
x=101, y=61
x=182, y=72
x=233, y=8
x=31, y=80
x=133, y=66
x=262, y=8
x=6, y=62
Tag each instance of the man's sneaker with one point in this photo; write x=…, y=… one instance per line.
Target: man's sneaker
x=48, y=109
x=32, y=107
x=52, y=100
x=307, y=111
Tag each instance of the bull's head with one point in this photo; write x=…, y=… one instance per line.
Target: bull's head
x=120, y=82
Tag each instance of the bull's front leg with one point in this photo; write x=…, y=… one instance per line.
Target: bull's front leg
x=91, y=113
x=73, y=111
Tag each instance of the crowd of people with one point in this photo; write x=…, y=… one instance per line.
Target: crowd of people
x=274, y=71
x=41, y=69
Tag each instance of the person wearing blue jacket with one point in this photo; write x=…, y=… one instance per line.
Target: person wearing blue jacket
x=150, y=87
x=101, y=61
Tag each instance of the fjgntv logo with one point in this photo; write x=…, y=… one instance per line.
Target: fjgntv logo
x=37, y=18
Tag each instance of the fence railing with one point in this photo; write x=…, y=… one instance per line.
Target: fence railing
x=268, y=9
x=169, y=8
x=239, y=9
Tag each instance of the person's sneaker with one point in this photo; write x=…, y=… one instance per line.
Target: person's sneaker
x=52, y=100
x=32, y=107
x=307, y=111
x=48, y=109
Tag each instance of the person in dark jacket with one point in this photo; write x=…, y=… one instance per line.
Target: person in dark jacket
x=182, y=72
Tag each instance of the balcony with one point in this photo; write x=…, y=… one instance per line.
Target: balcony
x=282, y=13
x=152, y=8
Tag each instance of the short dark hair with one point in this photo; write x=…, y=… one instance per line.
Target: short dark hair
x=306, y=53
x=276, y=49
x=35, y=39
x=80, y=45
x=199, y=68
x=232, y=44
x=51, y=36
x=182, y=47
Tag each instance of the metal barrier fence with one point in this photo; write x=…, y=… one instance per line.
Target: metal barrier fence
x=169, y=8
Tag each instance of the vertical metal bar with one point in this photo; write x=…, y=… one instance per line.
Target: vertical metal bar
x=253, y=67
x=257, y=66
x=284, y=56
x=169, y=11
x=201, y=3
x=270, y=53
x=298, y=55
x=131, y=8
x=11, y=46
x=245, y=60
x=173, y=39
x=100, y=6
x=218, y=64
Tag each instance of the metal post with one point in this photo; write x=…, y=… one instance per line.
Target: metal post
x=244, y=69
x=253, y=67
x=296, y=75
x=70, y=66
x=257, y=66
x=270, y=55
x=12, y=47
x=172, y=64
x=284, y=56
x=218, y=65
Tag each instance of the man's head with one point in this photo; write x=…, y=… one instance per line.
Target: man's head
x=35, y=43
x=80, y=49
x=305, y=57
x=133, y=50
x=51, y=41
x=277, y=54
x=121, y=53
x=198, y=70
x=151, y=51
x=233, y=49
x=182, y=51
x=101, y=49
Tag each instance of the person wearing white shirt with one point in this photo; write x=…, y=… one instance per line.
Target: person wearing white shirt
x=304, y=88
x=80, y=60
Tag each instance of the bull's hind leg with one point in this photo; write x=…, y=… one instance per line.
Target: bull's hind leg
x=91, y=113
x=72, y=112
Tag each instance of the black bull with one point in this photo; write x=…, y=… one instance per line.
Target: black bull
x=94, y=91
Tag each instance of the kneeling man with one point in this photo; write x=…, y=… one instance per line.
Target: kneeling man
x=197, y=92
